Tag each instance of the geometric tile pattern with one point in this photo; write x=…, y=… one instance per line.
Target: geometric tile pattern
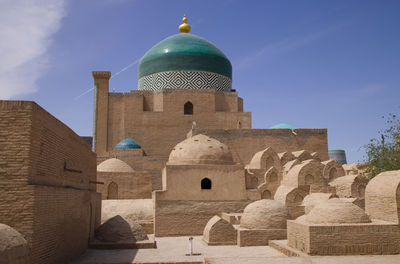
x=184, y=80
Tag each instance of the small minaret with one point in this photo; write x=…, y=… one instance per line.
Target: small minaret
x=100, y=113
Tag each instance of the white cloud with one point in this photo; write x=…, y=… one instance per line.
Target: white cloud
x=26, y=29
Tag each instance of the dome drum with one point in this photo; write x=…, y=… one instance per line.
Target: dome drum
x=195, y=80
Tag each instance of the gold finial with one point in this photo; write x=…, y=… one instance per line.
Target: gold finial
x=184, y=28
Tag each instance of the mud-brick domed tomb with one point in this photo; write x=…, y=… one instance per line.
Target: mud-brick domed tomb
x=114, y=165
x=200, y=149
x=264, y=214
x=336, y=211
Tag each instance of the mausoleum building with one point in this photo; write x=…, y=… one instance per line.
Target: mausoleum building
x=184, y=86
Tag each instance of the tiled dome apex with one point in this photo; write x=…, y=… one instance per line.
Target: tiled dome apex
x=184, y=61
x=127, y=143
x=200, y=149
x=282, y=126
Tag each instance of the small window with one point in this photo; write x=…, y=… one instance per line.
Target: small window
x=188, y=108
x=205, y=184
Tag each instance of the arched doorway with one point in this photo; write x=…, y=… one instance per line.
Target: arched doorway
x=112, y=192
x=266, y=195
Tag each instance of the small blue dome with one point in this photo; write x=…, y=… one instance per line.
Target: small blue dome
x=282, y=126
x=127, y=143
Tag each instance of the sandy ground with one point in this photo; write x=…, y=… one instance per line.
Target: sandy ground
x=173, y=250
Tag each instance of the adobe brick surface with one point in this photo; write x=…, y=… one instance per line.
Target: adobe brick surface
x=46, y=171
x=377, y=238
x=134, y=185
x=245, y=142
x=177, y=218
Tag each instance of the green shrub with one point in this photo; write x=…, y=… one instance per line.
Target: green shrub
x=384, y=154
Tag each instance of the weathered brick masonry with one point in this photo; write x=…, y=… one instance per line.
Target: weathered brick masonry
x=45, y=189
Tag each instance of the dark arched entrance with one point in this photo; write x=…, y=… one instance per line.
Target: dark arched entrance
x=206, y=184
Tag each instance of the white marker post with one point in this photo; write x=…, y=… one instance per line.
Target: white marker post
x=190, y=246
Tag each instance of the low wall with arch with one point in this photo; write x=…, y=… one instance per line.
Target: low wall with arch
x=124, y=185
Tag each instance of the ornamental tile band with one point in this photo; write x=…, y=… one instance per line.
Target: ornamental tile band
x=185, y=80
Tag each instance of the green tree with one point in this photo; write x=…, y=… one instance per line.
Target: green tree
x=383, y=154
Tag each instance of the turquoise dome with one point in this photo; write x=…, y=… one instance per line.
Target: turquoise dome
x=184, y=52
x=127, y=143
x=282, y=126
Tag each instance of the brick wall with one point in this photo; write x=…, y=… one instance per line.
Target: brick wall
x=158, y=124
x=244, y=143
x=64, y=221
x=45, y=193
x=16, y=199
x=58, y=156
x=136, y=185
x=377, y=238
x=180, y=218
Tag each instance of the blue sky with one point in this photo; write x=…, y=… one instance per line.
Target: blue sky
x=311, y=64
